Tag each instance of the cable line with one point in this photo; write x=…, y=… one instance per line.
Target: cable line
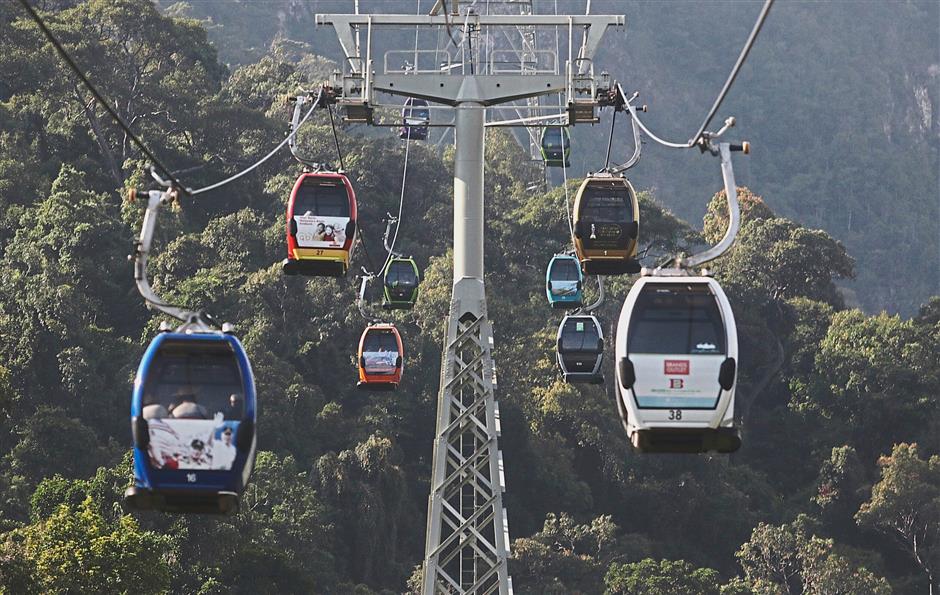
x=266, y=157
x=610, y=139
x=721, y=95
x=97, y=95
x=734, y=71
x=164, y=170
x=401, y=204
x=339, y=152
x=564, y=173
x=365, y=250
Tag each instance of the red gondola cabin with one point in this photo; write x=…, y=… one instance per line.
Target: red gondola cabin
x=321, y=225
x=381, y=358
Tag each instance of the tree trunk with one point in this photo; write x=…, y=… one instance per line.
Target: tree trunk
x=116, y=174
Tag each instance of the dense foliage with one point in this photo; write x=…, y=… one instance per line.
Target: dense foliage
x=835, y=489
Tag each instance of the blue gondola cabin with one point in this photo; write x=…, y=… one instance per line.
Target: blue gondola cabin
x=193, y=415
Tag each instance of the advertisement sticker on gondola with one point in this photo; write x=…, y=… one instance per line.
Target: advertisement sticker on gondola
x=189, y=444
x=686, y=383
x=380, y=362
x=315, y=231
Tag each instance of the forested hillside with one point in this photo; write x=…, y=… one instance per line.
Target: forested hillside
x=841, y=104
x=836, y=486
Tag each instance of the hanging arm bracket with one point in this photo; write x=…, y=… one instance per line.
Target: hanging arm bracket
x=156, y=199
x=723, y=150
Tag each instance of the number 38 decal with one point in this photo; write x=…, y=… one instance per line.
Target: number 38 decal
x=675, y=414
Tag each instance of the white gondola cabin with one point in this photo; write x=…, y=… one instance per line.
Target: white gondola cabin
x=676, y=365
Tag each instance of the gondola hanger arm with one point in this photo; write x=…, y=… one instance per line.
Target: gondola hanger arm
x=390, y=220
x=140, y=257
x=724, y=151
x=600, y=297
x=637, y=145
x=361, y=298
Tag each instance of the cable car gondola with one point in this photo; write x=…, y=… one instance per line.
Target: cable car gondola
x=415, y=117
x=606, y=225
x=677, y=349
x=580, y=349
x=381, y=357
x=556, y=146
x=564, y=282
x=193, y=416
x=321, y=225
x=400, y=283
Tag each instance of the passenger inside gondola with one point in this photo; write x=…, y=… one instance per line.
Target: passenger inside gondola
x=380, y=352
x=676, y=320
x=193, y=386
x=184, y=406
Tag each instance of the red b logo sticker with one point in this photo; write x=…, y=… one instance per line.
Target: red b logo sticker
x=676, y=366
x=676, y=383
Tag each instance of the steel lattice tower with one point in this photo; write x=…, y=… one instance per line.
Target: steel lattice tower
x=467, y=545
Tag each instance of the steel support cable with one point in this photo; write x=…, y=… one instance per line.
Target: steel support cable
x=401, y=204
x=610, y=139
x=734, y=71
x=417, y=29
x=564, y=173
x=270, y=154
x=339, y=152
x=96, y=94
x=761, y=18
x=365, y=249
x=170, y=176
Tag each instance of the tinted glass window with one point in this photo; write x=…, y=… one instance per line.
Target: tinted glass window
x=676, y=319
x=606, y=202
x=579, y=334
x=565, y=269
x=553, y=138
x=380, y=341
x=326, y=199
x=194, y=381
x=400, y=274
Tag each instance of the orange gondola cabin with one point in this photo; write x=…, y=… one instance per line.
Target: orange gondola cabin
x=381, y=358
x=321, y=225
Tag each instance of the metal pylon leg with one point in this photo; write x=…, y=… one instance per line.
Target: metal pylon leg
x=467, y=542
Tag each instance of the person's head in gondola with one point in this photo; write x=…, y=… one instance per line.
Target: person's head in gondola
x=234, y=403
x=185, y=406
x=153, y=409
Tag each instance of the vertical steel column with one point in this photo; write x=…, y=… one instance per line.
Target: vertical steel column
x=467, y=543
